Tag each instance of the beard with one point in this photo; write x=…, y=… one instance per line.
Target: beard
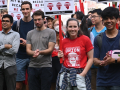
x=39, y=26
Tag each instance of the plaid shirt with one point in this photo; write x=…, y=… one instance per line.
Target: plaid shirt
x=73, y=73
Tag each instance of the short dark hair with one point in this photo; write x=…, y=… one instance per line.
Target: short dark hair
x=26, y=2
x=79, y=32
x=110, y=12
x=38, y=13
x=98, y=11
x=119, y=16
x=8, y=16
x=79, y=15
x=90, y=12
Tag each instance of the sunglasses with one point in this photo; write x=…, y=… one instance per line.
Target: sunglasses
x=5, y=21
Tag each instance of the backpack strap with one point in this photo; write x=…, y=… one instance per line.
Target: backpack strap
x=99, y=39
x=91, y=29
x=18, y=25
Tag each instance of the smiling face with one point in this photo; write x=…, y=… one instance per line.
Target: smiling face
x=26, y=10
x=6, y=24
x=110, y=23
x=73, y=29
x=96, y=19
x=49, y=23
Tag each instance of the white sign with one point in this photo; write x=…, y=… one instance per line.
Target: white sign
x=37, y=4
x=15, y=7
x=3, y=3
x=58, y=7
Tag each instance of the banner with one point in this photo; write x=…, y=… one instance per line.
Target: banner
x=58, y=7
x=15, y=6
x=3, y=3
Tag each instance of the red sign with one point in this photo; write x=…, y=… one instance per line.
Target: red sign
x=18, y=16
x=59, y=5
x=50, y=5
x=67, y=4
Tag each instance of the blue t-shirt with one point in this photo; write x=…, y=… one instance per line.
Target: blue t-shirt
x=107, y=75
x=25, y=27
x=95, y=33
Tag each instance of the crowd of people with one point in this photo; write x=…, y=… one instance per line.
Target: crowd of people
x=30, y=54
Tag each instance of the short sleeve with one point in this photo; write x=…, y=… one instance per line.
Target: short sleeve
x=88, y=45
x=52, y=37
x=29, y=37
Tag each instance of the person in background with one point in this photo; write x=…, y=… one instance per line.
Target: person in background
x=56, y=66
x=22, y=59
x=4, y=11
x=96, y=19
x=79, y=16
x=108, y=75
x=9, y=44
x=49, y=21
x=76, y=50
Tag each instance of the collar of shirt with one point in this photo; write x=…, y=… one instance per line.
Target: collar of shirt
x=8, y=32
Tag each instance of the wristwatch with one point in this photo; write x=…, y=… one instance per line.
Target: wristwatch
x=115, y=61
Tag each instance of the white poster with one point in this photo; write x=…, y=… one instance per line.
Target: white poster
x=58, y=7
x=3, y=3
x=37, y=4
x=15, y=6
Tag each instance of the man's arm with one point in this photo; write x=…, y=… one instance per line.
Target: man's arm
x=49, y=50
x=29, y=50
x=97, y=62
x=15, y=46
x=1, y=48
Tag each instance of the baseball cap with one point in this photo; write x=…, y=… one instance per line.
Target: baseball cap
x=50, y=17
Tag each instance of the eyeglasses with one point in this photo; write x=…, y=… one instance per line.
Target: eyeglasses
x=37, y=19
x=24, y=9
x=94, y=16
x=5, y=21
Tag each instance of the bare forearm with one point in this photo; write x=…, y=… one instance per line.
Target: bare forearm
x=46, y=52
x=96, y=62
x=88, y=66
x=30, y=52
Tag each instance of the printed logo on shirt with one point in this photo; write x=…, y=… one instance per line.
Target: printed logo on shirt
x=73, y=59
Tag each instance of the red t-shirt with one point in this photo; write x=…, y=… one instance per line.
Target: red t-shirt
x=55, y=51
x=0, y=25
x=75, y=51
